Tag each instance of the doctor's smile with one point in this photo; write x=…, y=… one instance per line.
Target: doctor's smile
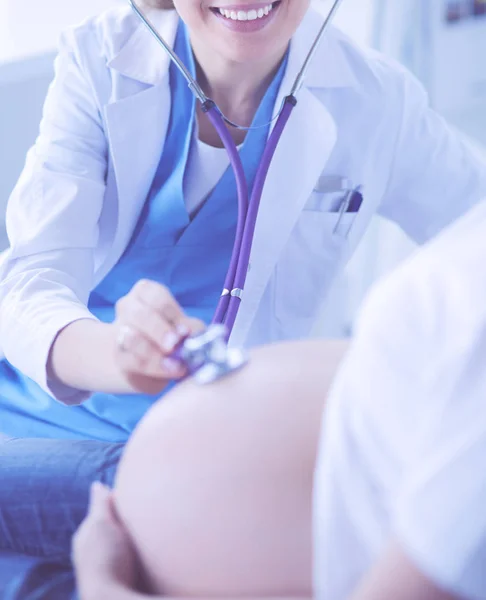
x=180, y=143
x=246, y=18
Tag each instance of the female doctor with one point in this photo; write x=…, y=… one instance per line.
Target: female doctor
x=122, y=223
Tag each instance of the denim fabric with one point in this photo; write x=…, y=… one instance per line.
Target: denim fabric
x=28, y=578
x=45, y=489
x=44, y=495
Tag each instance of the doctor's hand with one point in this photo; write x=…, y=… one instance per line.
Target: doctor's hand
x=149, y=326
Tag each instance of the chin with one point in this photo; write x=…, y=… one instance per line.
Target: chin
x=250, y=53
x=249, y=58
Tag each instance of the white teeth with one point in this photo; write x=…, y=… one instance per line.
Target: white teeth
x=243, y=15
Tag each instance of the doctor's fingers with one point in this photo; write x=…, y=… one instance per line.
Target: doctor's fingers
x=137, y=355
x=159, y=298
x=153, y=326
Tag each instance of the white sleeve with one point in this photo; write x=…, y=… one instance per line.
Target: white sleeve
x=403, y=453
x=52, y=224
x=435, y=177
x=366, y=427
x=440, y=517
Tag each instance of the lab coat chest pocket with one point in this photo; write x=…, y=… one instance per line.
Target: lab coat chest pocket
x=315, y=252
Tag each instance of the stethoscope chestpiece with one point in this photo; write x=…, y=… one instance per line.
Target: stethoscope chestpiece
x=208, y=357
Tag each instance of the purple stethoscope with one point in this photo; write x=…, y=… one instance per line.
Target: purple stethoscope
x=207, y=355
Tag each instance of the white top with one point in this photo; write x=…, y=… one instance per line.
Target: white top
x=403, y=451
x=205, y=167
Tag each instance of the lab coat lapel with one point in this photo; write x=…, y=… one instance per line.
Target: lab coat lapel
x=137, y=120
x=304, y=149
x=303, y=152
x=137, y=128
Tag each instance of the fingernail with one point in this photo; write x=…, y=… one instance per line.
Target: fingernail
x=99, y=504
x=169, y=342
x=95, y=491
x=182, y=329
x=171, y=366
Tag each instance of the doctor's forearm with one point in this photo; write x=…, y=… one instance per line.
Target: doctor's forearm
x=83, y=357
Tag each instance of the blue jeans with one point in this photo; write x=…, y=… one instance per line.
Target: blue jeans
x=27, y=578
x=44, y=491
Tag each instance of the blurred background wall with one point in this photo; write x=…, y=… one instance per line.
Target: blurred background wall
x=29, y=33
x=442, y=41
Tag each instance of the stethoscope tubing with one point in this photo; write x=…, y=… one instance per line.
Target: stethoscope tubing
x=219, y=125
x=240, y=260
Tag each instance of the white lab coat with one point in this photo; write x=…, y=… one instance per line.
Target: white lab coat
x=86, y=179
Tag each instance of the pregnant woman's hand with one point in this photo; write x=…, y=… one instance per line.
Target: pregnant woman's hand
x=149, y=325
x=104, y=559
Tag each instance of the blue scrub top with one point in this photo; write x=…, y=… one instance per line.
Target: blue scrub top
x=188, y=254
